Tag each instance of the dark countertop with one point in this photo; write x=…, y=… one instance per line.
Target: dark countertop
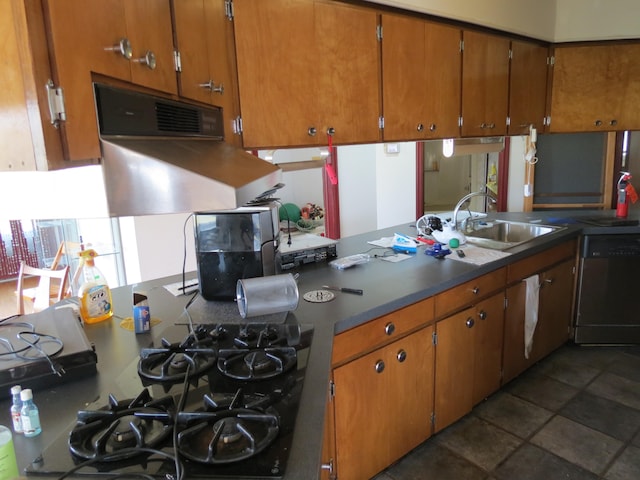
x=387, y=287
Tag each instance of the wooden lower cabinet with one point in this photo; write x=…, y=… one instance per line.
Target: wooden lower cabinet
x=555, y=303
x=383, y=404
x=468, y=359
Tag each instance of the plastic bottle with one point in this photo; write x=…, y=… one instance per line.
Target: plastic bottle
x=16, y=407
x=8, y=462
x=94, y=292
x=29, y=414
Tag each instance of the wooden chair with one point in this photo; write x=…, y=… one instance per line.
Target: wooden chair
x=41, y=295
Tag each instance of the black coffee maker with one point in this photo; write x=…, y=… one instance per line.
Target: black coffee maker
x=234, y=244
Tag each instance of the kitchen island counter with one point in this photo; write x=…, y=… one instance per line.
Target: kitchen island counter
x=387, y=287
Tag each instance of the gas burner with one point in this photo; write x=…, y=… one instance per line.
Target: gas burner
x=169, y=364
x=256, y=364
x=227, y=436
x=259, y=337
x=118, y=430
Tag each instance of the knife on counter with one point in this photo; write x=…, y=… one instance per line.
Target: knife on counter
x=356, y=291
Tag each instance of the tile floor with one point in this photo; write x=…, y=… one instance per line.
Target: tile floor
x=574, y=415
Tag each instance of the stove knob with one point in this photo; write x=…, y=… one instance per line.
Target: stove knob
x=379, y=366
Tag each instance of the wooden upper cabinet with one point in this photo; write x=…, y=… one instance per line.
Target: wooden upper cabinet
x=421, y=72
x=81, y=45
x=485, y=84
x=306, y=67
x=528, y=87
x=204, y=37
x=595, y=88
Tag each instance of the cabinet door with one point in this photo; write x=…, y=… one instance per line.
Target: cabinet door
x=383, y=404
x=556, y=302
x=277, y=66
x=150, y=33
x=207, y=55
x=81, y=44
x=421, y=74
x=527, y=87
x=489, y=330
x=346, y=73
x=595, y=88
x=485, y=84
x=455, y=354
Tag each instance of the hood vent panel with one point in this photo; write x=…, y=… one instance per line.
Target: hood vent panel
x=160, y=156
x=177, y=119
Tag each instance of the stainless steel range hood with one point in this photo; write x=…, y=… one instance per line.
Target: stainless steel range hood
x=161, y=156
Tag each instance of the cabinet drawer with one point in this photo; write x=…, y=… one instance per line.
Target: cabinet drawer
x=469, y=293
x=366, y=337
x=541, y=261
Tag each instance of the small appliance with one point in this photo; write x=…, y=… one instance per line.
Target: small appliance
x=233, y=245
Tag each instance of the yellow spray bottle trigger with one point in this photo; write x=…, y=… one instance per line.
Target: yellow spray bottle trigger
x=87, y=256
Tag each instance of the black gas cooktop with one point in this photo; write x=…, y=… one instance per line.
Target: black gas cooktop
x=214, y=401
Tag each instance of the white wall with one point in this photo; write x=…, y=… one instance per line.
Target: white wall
x=596, y=20
x=515, y=200
x=376, y=189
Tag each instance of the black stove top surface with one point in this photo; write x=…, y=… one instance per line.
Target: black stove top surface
x=233, y=418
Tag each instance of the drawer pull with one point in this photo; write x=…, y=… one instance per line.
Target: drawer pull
x=123, y=47
x=470, y=323
x=401, y=356
x=311, y=131
x=475, y=290
x=482, y=315
x=379, y=366
x=389, y=328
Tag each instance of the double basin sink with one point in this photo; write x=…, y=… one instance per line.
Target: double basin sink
x=503, y=234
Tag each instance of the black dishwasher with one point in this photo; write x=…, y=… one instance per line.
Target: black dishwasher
x=608, y=299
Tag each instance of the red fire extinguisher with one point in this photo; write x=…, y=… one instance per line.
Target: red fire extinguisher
x=626, y=192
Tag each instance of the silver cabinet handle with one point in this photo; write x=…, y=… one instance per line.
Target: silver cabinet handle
x=482, y=315
x=401, y=356
x=331, y=131
x=389, y=328
x=433, y=127
x=420, y=127
x=597, y=123
x=475, y=290
x=311, y=131
x=123, y=47
x=149, y=60
x=328, y=466
x=210, y=85
x=487, y=125
x=470, y=322
x=613, y=122
x=379, y=366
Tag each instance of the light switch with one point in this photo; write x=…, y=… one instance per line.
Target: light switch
x=391, y=148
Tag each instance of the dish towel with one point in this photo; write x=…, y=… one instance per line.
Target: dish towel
x=531, y=312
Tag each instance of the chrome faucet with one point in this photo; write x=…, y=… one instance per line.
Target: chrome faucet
x=466, y=198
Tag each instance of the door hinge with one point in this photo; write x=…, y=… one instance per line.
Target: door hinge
x=548, y=122
x=434, y=338
x=228, y=9
x=332, y=389
x=177, y=61
x=379, y=32
x=462, y=45
x=573, y=270
x=433, y=419
x=236, y=125
x=381, y=123
x=460, y=121
x=506, y=302
x=508, y=121
x=551, y=61
x=55, y=98
x=510, y=54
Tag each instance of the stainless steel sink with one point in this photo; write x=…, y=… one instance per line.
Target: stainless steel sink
x=501, y=234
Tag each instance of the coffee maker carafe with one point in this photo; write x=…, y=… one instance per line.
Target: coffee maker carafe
x=235, y=244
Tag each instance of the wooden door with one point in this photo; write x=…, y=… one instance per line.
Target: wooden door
x=421, y=73
x=485, y=84
x=556, y=302
x=346, y=73
x=628, y=72
x=454, y=367
x=79, y=45
x=487, y=365
x=205, y=41
x=404, y=77
x=383, y=404
x=528, y=87
x=514, y=361
x=150, y=32
x=277, y=69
